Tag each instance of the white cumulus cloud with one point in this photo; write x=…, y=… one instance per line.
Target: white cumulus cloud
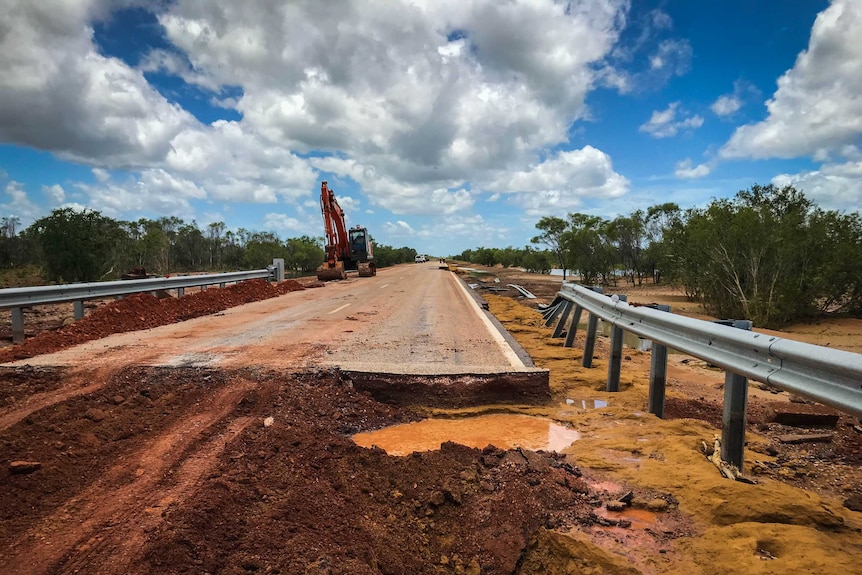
x=684, y=170
x=833, y=186
x=664, y=123
x=562, y=182
x=816, y=109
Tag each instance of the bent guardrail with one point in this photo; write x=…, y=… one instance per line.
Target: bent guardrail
x=16, y=299
x=829, y=376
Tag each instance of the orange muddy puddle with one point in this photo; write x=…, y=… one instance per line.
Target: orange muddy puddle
x=640, y=518
x=501, y=430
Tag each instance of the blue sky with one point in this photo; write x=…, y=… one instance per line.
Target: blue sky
x=442, y=125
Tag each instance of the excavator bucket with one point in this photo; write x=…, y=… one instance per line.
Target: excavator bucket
x=327, y=272
x=367, y=269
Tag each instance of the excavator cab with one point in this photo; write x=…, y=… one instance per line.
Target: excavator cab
x=360, y=247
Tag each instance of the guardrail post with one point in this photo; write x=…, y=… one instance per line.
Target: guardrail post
x=657, y=373
x=79, y=309
x=573, y=326
x=735, y=406
x=551, y=313
x=278, y=269
x=17, y=325
x=222, y=284
x=564, y=315
x=616, y=359
x=181, y=292
x=590, y=342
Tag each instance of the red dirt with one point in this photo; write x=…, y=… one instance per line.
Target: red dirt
x=144, y=311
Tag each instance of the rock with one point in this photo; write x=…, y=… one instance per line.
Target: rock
x=853, y=503
x=24, y=467
x=268, y=421
x=657, y=505
x=118, y=399
x=94, y=414
x=810, y=438
x=468, y=475
x=615, y=505
x=802, y=414
x=437, y=498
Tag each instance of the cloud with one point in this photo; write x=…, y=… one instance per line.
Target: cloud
x=644, y=60
x=439, y=107
x=684, y=170
x=468, y=228
x=151, y=193
x=19, y=204
x=833, y=186
x=726, y=105
x=57, y=93
x=290, y=226
x=399, y=229
x=55, y=192
x=816, y=109
x=395, y=196
x=562, y=182
x=414, y=101
x=663, y=124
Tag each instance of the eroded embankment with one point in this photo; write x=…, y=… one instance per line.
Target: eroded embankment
x=193, y=470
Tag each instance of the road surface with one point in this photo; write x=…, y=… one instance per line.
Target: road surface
x=413, y=319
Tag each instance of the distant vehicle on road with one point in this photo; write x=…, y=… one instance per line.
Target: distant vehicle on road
x=420, y=259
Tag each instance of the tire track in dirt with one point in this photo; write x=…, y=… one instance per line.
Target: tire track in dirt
x=106, y=525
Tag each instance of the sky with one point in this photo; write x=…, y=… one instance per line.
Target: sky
x=441, y=125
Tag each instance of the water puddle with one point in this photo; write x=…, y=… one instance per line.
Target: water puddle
x=587, y=403
x=639, y=518
x=501, y=430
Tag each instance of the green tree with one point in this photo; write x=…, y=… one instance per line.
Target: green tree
x=553, y=235
x=763, y=255
x=304, y=254
x=78, y=246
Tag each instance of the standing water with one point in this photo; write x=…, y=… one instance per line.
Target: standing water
x=500, y=430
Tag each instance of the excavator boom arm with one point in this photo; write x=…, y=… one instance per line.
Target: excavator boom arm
x=333, y=219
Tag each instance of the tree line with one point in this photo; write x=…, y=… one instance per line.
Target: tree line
x=769, y=254
x=70, y=246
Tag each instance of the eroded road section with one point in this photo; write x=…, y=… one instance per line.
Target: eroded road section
x=205, y=446
x=416, y=319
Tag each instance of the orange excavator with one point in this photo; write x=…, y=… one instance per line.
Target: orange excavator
x=346, y=250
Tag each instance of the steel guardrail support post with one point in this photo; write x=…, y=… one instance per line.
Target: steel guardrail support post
x=17, y=325
x=735, y=407
x=181, y=292
x=657, y=373
x=79, y=309
x=573, y=326
x=564, y=315
x=277, y=270
x=616, y=358
x=590, y=343
x=552, y=312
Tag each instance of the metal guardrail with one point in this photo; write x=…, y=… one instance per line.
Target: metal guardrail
x=829, y=376
x=16, y=299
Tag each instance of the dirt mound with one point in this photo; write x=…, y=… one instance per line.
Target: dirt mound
x=144, y=311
